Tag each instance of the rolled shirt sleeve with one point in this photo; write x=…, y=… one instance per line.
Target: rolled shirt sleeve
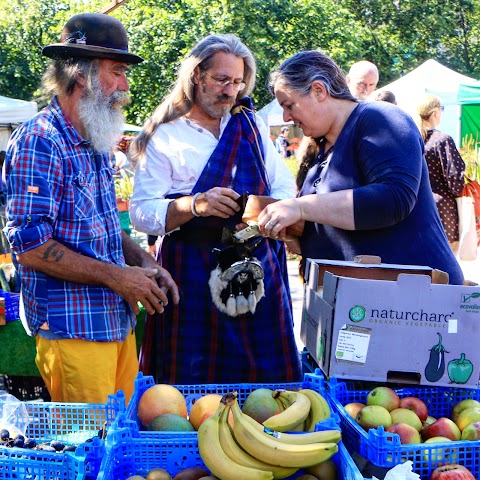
x=34, y=188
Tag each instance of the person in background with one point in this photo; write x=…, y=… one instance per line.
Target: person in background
x=282, y=143
x=362, y=79
x=152, y=245
x=79, y=298
x=120, y=160
x=368, y=192
x=4, y=245
x=197, y=157
x=445, y=165
x=383, y=96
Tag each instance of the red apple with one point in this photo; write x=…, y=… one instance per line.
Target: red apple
x=452, y=472
x=443, y=427
x=407, y=433
x=415, y=404
x=353, y=408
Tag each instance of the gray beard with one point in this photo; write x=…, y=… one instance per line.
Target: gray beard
x=102, y=117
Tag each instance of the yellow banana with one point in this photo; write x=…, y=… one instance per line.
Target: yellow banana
x=322, y=436
x=284, y=400
x=299, y=428
x=214, y=457
x=292, y=416
x=280, y=404
x=319, y=409
x=238, y=455
x=269, y=450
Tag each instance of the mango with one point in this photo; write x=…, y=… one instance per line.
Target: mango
x=170, y=422
x=260, y=405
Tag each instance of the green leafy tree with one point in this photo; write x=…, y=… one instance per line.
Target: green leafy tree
x=397, y=35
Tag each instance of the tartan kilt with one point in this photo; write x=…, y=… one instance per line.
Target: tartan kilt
x=194, y=343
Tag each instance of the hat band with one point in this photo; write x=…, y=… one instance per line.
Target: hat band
x=79, y=38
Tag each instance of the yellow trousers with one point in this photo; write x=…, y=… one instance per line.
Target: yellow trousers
x=87, y=372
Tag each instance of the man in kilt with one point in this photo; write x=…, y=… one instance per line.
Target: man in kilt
x=198, y=157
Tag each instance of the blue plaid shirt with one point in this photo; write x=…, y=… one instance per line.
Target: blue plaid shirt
x=59, y=188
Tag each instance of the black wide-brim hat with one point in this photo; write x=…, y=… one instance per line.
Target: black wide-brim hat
x=93, y=35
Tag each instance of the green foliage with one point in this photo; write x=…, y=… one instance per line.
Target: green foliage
x=396, y=35
x=469, y=152
x=124, y=186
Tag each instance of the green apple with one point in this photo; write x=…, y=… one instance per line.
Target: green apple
x=471, y=432
x=385, y=397
x=429, y=420
x=439, y=455
x=468, y=403
x=468, y=416
x=372, y=416
x=405, y=415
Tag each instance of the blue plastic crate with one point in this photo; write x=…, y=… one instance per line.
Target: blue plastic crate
x=12, y=303
x=314, y=381
x=384, y=449
x=71, y=423
x=130, y=452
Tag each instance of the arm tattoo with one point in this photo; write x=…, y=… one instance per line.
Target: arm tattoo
x=51, y=251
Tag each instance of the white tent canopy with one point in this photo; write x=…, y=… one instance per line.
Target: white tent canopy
x=272, y=114
x=434, y=78
x=12, y=113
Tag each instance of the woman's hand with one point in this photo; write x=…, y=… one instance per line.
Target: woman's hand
x=276, y=217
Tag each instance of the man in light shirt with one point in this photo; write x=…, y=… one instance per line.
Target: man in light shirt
x=198, y=156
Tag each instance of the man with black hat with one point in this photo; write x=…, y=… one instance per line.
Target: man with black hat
x=79, y=298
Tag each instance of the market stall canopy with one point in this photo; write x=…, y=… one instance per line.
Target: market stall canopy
x=13, y=112
x=128, y=127
x=432, y=77
x=272, y=114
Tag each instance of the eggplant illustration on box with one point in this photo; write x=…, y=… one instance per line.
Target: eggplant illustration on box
x=459, y=370
x=436, y=363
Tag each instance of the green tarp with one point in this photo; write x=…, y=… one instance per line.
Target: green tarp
x=469, y=100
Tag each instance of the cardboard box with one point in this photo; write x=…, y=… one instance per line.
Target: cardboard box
x=407, y=329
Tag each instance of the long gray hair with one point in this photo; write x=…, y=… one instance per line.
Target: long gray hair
x=301, y=70
x=61, y=75
x=180, y=100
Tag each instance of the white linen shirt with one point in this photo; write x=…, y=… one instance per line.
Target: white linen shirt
x=176, y=156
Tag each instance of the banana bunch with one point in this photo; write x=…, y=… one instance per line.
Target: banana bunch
x=247, y=452
x=300, y=411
